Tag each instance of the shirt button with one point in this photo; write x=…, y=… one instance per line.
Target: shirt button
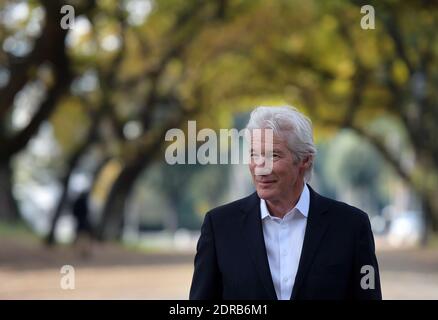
x=283, y=253
x=285, y=279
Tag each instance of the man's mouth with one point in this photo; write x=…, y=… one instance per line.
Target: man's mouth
x=266, y=182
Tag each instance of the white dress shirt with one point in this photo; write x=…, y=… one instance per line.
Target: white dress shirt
x=284, y=240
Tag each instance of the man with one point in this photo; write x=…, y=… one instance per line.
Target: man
x=285, y=241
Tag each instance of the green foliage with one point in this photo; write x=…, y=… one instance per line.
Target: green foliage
x=221, y=61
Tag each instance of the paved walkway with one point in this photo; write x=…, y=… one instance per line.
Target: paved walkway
x=33, y=272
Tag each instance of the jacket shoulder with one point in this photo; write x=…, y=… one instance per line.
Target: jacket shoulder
x=229, y=209
x=347, y=212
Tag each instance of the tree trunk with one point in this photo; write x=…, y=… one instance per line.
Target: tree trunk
x=430, y=211
x=111, y=224
x=89, y=139
x=50, y=239
x=9, y=209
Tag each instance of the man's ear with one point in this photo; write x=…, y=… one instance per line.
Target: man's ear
x=307, y=162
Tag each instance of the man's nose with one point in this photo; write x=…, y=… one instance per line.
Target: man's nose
x=259, y=160
x=263, y=166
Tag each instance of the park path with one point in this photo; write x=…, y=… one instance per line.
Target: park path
x=33, y=272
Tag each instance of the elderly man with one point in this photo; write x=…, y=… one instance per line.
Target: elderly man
x=285, y=241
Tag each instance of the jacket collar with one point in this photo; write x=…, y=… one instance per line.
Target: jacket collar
x=316, y=228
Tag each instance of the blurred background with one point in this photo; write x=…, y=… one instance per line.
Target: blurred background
x=86, y=100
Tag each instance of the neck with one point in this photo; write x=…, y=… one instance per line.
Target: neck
x=281, y=206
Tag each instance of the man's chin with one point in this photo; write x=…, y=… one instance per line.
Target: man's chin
x=265, y=194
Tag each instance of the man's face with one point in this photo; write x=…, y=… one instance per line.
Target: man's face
x=287, y=174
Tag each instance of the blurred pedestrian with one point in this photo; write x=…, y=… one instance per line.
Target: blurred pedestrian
x=84, y=235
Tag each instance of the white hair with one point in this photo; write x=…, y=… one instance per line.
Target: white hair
x=290, y=125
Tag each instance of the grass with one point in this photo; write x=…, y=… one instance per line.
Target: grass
x=433, y=241
x=22, y=232
x=145, y=248
x=18, y=229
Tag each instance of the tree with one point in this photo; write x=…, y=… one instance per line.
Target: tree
x=48, y=48
x=317, y=56
x=210, y=59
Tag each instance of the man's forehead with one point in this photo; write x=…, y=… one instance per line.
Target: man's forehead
x=276, y=141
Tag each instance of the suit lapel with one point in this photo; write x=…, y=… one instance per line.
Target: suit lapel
x=252, y=232
x=317, y=223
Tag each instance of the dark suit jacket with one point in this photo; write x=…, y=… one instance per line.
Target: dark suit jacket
x=231, y=260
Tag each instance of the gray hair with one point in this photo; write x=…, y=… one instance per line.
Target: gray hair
x=290, y=125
